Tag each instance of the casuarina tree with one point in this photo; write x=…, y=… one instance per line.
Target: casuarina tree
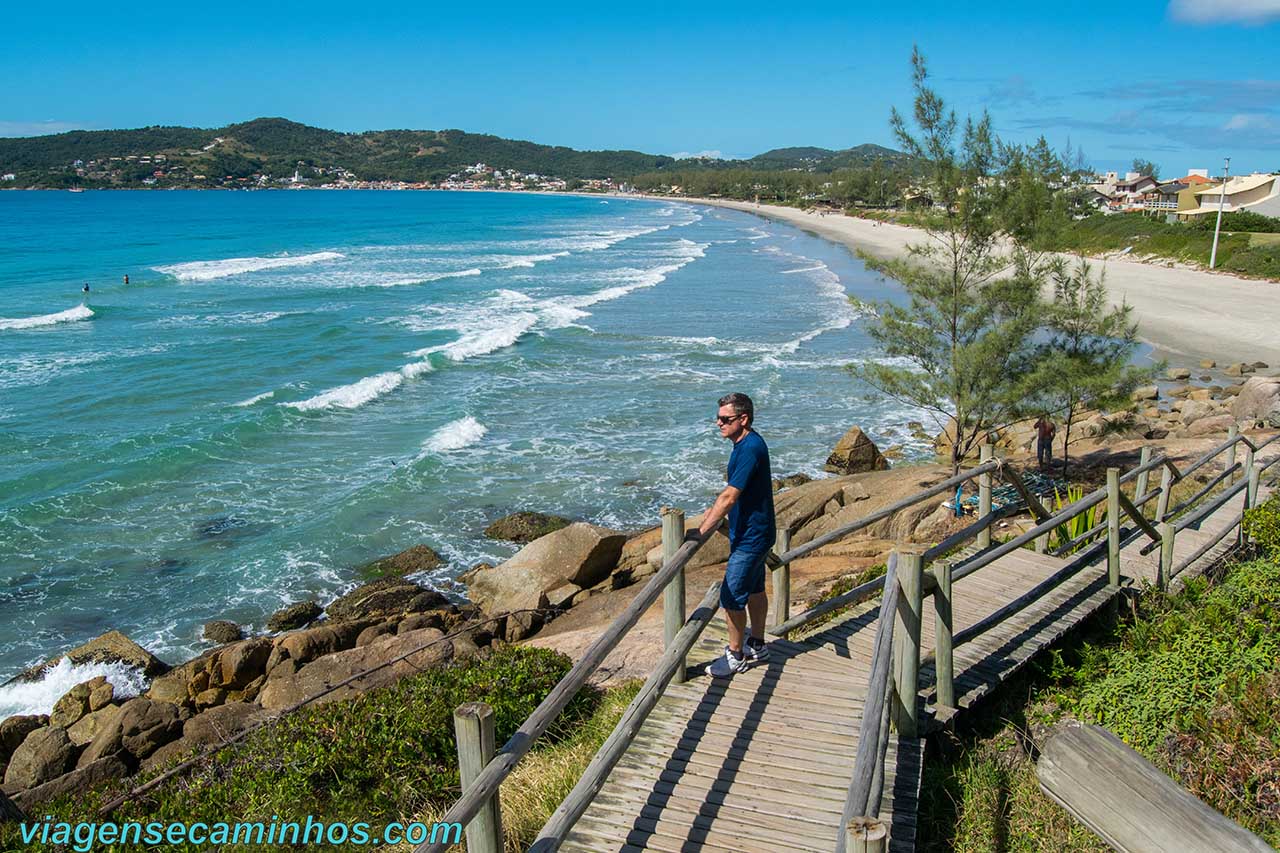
x=962, y=344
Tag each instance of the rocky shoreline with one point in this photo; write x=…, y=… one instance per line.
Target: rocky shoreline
x=566, y=583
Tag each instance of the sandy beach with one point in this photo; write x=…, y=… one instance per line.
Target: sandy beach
x=1185, y=314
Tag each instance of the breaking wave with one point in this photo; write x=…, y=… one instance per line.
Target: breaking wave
x=80, y=312
x=210, y=270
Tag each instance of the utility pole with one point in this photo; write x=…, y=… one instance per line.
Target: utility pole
x=1222, y=197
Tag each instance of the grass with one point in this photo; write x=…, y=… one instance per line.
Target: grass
x=1191, y=681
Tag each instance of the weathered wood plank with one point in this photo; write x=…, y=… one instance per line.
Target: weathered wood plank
x=1129, y=803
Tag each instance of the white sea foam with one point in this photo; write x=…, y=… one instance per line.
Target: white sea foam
x=455, y=435
x=481, y=341
x=38, y=697
x=80, y=312
x=528, y=261
x=424, y=278
x=352, y=396
x=210, y=270
x=256, y=399
x=804, y=269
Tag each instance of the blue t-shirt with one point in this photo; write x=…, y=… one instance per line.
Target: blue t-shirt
x=751, y=523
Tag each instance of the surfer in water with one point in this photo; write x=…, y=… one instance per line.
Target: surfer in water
x=126, y=278
x=86, y=287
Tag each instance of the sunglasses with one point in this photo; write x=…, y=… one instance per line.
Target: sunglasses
x=724, y=419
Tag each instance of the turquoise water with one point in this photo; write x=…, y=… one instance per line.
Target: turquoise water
x=294, y=383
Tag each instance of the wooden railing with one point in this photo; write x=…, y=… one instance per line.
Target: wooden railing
x=892, y=690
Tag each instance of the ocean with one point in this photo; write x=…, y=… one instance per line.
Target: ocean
x=295, y=383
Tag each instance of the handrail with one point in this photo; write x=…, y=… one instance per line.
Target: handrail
x=572, y=807
x=959, y=536
x=1204, y=490
x=866, y=521
x=857, y=595
x=1209, y=456
x=967, y=567
x=1208, y=509
x=1206, y=547
x=871, y=752
x=491, y=777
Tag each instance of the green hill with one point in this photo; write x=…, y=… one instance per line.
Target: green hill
x=183, y=156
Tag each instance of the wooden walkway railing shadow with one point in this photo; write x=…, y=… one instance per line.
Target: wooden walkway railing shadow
x=821, y=747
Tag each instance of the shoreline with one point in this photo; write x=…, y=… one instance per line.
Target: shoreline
x=1183, y=314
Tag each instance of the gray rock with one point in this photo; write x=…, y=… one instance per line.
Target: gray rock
x=222, y=631
x=145, y=726
x=1208, y=364
x=1258, y=400
x=101, y=695
x=14, y=731
x=524, y=527
x=855, y=453
x=419, y=558
x=383, y=599
x=217, y=725
x=418, y=621
x=43, y=755
x=294, y=616
x=1178, y=373
x=87, y=727
x=1147, y=392
x=73, y=705
x=791, y=481
x=236, y=665
x=82, y=779
x=373, y=632
x=581, y=553
x=111, y=647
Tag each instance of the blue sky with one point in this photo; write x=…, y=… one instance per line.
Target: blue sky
x=1181, y=82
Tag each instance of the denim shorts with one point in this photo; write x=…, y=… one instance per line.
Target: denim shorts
x=743, y=577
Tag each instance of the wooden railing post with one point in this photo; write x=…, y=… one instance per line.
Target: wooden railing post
x=1144, y=479
x=1233, y=432
x=782, y=581
x=1113, y=534
x=1166, y=486
x=673, y=604
x=865, y=835
x=944, y=664
x=1167, y=534
x=984, y=494
x=906, y=642
x=1250, y=491
x=473, y=727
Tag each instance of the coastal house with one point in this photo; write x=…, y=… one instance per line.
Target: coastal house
x=1162, y=198
x=1257, y=193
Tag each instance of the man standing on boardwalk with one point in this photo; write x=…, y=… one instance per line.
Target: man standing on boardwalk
x=747, y=500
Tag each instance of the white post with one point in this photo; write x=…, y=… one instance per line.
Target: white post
x=782, y=579
x=1233, y=432
x=474, y=727
x=1222, y=197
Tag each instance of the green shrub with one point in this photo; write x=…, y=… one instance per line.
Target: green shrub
x=1262, y=523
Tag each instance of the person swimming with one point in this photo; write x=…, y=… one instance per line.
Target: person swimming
x=86, y=287
x=126, y=278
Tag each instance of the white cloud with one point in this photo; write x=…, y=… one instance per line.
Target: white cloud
x=1249, y=121
x=1225, y=11
x=37, y=128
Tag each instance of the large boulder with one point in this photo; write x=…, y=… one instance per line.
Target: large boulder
x=14, y=731
x=285, y=690
x=74, y=704
x=1210, y=426
x=1258, y=400
x=1194, y=410
x=524, y=527
x=296, y=615
x=217, y=725
x=43, y=755
x=581, y=553
x=419, y=558
x=306, y=646
x=111, y=647
x=85, y=729
x=384, y=598
x=233, y=667
x=90, y=776
x=222, y=631
x=855, y=453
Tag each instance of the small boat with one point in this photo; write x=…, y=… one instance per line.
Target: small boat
x=76, y=190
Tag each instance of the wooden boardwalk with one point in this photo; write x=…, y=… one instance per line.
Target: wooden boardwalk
x=763, y=761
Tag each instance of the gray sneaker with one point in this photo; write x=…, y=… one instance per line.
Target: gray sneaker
x=754, y=649
x=728, y=664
